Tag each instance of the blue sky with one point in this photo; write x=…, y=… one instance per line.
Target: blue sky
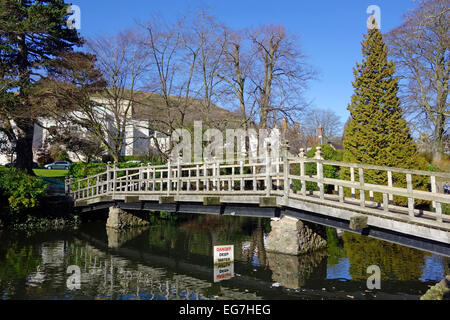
x=330, y=31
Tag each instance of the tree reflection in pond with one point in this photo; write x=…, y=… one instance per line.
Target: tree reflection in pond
x=173, y=259
x=396, y=262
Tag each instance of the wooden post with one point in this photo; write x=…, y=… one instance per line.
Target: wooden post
x=169, y=177
x=205, y=175
x=241, y=173
x=198, y=176
x=141, y=178
x=114, y=178
x=69, y=183
x=318, y=156
x=409, y=186
x=154, y=179
x=362, y=192
x=255, y=182
x=217, y=173
x=285, y=153
x=352, y=177
x=341, y=194
x=390, y=184
x=303, y=170
x=149, y=178
x=179, y=175
x=88, y=186
x=438, y=212
x=189, y=179
x=268, y=172
x=433, y=189
x=385, y=202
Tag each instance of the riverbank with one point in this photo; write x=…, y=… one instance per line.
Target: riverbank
x=441, y=291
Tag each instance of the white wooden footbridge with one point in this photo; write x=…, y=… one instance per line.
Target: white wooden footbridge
x=270, y=188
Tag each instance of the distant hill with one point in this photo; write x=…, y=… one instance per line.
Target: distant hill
x=153, y=107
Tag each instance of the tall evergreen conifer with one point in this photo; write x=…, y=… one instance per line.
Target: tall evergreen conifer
x=377, y=133
x=33, y=34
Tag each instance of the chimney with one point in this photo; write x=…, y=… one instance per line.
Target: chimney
x=320, y=134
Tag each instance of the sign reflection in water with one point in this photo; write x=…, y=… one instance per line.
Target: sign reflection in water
x=223, y=272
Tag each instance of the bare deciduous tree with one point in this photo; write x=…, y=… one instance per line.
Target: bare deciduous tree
x=328, y=120
x=280, y=74
x=236, y=72
x=123, y=63
x=420, y=50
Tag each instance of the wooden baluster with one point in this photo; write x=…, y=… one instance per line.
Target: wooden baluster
x=205, y=174
x=285, y=152
x=189, y=179
x=361, y=183
x=438, y=212
x=390, y=185
x=217, y=174
x=268, y=173
x=241, y=173
x=433, y=190
x=114, y=178
x=318, y=156
x=198, y=176
x=179, y=183
x=352, y=178
x=233, y=174
x=141, y=183
x=255, y=182
x=303, y=170
x=410, y=191
x=385, y=202
x=169, y=177
x=154, y=179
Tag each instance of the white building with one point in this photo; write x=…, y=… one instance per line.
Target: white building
x=138, y=137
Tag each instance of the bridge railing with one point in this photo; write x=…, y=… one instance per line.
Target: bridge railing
x=397, y=192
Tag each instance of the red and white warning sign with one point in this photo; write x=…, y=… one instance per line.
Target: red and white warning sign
x=223, y=254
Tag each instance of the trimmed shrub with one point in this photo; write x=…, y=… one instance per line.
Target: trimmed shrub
x=19, y=191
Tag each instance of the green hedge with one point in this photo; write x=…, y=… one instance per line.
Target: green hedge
x=83, y=170
x=19, y=191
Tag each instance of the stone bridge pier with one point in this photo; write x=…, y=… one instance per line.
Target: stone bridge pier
x=294, y=237
x=120, y=219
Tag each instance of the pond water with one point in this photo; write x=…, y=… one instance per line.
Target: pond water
x=173, y=259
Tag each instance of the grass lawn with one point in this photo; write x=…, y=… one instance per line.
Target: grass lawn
x=44, y=173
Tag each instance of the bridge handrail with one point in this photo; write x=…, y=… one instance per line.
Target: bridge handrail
x=370, y=167
x=273, y=176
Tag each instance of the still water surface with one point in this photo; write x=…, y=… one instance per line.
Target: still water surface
x=173, y=259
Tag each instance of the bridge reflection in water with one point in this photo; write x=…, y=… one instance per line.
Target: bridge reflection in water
x=173, y=260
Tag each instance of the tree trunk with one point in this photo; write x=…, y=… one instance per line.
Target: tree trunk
x=438, y=140
x=24, y=147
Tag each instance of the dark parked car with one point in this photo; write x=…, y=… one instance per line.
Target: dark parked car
x=58, y=165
